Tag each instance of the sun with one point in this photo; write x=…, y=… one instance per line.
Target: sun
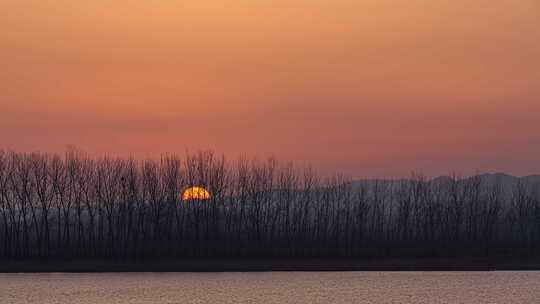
x=195, y=193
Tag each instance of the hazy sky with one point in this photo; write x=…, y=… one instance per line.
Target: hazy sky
x=366, y=87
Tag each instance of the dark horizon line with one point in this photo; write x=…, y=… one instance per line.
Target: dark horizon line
x=167, y=265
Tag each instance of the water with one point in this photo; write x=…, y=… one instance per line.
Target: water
x=273, y=287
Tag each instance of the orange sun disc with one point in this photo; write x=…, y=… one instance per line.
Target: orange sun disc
x=195, y=193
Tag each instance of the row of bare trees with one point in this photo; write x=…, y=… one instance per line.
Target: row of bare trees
x=76, y=206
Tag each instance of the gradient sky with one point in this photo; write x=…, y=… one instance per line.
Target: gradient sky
x=365, y=87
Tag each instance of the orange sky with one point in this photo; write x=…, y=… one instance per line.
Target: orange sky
x=366, y=87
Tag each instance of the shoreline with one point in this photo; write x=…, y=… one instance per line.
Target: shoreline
x=263, y=265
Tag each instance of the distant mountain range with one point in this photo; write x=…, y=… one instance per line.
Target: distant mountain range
x=486, y=181
x=503, y=179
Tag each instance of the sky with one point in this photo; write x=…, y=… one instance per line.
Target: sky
x=369, y=88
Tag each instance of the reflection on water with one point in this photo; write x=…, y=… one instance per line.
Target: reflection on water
x=273, y=287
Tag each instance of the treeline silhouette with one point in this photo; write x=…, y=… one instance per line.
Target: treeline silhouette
x=74, y=206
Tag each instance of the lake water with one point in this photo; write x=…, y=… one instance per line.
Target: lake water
x=273, y=287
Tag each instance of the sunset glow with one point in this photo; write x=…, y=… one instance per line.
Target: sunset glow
x=383, y=86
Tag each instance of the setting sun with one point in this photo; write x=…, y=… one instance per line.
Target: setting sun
x=195, y=193
x=302, y=140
